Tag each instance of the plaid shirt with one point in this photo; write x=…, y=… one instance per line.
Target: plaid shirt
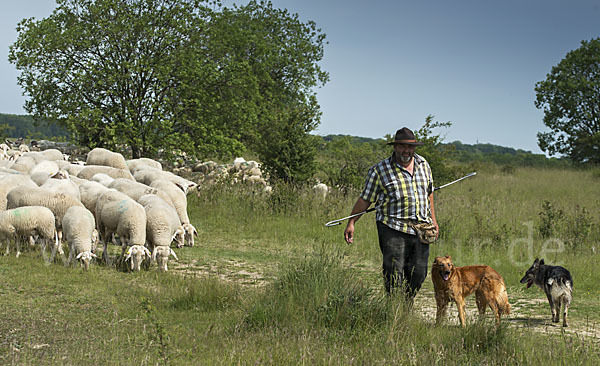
x=401, y=198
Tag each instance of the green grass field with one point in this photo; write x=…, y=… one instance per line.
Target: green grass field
x=267, y=283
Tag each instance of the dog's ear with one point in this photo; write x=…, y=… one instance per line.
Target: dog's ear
x=536, y=262
x=541, y=262
x=449, y=257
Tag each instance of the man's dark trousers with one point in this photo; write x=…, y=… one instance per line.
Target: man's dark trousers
x=405, y=260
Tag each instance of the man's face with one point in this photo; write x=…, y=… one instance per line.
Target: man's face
x=404, y=152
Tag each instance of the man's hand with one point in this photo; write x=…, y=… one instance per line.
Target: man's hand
x=349, y=232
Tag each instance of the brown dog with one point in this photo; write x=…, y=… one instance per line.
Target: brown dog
x=456, y=283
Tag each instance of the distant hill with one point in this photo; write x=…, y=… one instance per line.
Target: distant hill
x=14, y=126
x=483, y=153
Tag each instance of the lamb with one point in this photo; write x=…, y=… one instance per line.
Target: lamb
x=142, y=163
x=136, y=190
x=100, y=156
x=71, y=168
x=117, y=213
x=179, y=201
x=161, y=256
x=79, y=227
x=27, y=221
x=58, y=203
x=162, y=222
x=88, y=171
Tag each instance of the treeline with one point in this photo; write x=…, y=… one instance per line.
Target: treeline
x=489, y=153
x=465, y=153
x=14, y=126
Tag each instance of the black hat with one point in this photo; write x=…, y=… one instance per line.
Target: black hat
x=405, y=136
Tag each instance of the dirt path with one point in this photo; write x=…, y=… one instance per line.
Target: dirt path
x=533, y=314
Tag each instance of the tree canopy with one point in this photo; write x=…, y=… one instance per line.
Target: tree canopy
x=570, y=99
x=190, y=75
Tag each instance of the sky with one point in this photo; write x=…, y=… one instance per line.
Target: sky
x=392, y=63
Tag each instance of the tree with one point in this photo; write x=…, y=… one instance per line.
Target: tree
x=570, y=99
x=172, y=74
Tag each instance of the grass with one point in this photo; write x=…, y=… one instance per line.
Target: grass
x=269, y=284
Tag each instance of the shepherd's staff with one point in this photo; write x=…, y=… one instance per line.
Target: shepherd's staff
x=339, y=221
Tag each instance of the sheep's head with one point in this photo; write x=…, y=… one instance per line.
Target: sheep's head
x=161, y=256
x=179, y=237
x=190, y=233
x=85, y=258
x=137, y=253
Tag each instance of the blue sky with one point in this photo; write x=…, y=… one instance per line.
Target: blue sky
x=392, y=63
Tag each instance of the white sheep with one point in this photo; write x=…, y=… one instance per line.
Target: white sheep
x=136, y=254
x=117, y=213
x=58, y=203
x=102, y=178
x=9, y=182
x=162, y=223
x=24, y=164
x=147, y=176
x=179, y=201
x=88, y=172
x=321, y=190
x=62, y=185
x=142, y=163
x=79, y=228
x=89, y=193
x=27, y=221
x=45, y=166
x=161, y=256
x=49, y=154
x=100, y=156
x=136, y=190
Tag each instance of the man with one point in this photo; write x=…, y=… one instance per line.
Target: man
x=403, y=187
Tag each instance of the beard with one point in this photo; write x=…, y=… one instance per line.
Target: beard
x=405, y=159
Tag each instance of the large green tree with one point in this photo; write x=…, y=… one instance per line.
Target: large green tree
x=185, y=74
x=570, y=99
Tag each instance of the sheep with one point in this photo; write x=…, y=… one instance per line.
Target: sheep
x=45, y=166
x=89, y=171
x=89, y=193
x=49, y=154
x=79, y=226
x=9, y=182
x=161, y=256
x=117, y=213
x=72, y=169
x=27, y=221
x=62, y=185
x=142, y=163
x=147, y=176
x=135, y=190
x=162, y=222
x=100, y=156
x=102, y=178
x=179, y=201
x=58, y=203
x=24, y=164
x=137, y=253
x=321, y=190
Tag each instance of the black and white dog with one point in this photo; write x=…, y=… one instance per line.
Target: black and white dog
x=556, y=282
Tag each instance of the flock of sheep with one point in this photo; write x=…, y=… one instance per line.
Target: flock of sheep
x=44, y=199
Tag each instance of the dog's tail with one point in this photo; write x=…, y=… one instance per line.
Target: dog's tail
x=502, y=301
